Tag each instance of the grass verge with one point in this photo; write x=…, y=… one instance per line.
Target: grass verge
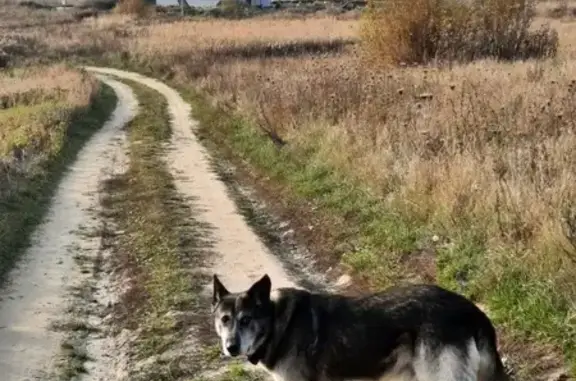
x=380, y=246
x=158, y=251
x=22, y=209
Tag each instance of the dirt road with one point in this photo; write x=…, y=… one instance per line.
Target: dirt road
x=39, y=290
x=242, y=257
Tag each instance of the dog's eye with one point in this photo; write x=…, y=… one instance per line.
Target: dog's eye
x=245, y=320
x=225, y=319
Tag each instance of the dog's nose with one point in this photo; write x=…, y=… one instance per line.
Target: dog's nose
x=233, y=349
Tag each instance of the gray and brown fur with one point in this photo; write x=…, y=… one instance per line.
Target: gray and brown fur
x=408, y=333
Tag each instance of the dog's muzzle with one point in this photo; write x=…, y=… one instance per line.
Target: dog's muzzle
x=233, y=349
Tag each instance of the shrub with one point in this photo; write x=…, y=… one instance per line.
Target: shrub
x=420, y=31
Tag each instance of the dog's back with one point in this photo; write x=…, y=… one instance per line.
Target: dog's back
x=418, y=332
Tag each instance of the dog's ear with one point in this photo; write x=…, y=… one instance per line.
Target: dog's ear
x=219, y=291
x=260, y=291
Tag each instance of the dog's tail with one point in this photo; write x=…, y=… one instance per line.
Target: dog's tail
x=500, y=373
x=492, y=368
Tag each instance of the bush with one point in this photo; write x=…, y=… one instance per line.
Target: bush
x=420, y=31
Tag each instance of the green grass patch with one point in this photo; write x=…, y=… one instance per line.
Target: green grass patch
x=24, y=125
x=23, y=207
x=533, y=307
x=237, y=372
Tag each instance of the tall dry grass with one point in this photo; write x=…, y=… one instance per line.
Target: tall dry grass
x=461, y=147
x=201, y=45
x=58, y=84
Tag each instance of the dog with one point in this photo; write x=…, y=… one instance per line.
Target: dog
x=414, y=332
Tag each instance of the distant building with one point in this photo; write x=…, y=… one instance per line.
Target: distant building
x=99, y=4
x=257, y=3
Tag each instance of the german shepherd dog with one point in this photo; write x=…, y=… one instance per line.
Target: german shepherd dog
x=408, y=333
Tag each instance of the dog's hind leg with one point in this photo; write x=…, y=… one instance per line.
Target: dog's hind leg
x=447, y=363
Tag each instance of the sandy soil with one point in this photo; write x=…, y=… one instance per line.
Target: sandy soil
x=38, y=289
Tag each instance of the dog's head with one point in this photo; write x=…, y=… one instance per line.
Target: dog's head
x=242, y=320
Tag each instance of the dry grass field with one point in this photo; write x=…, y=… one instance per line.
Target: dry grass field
x=475, y=161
